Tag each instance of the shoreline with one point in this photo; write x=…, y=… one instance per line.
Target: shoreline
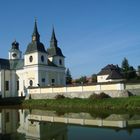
x=111, y=104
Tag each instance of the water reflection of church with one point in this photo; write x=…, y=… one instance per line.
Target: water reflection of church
x=13, y=121
x=50, y=125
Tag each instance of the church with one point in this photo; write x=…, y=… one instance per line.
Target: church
x=38, y=67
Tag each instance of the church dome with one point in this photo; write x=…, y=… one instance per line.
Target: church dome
x=35, y=46
x=15, y=45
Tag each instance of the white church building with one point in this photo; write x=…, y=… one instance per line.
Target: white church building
x=37, y=67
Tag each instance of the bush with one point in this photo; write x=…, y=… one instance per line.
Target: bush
x=102, y=95
x=59, y=96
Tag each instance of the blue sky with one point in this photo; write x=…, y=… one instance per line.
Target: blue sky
x=91, y=33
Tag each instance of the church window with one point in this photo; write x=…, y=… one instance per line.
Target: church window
x=42, y=58
x=43, y=80
x=60, y=62
x=31, y=83
x=31, y=58
x=6, y=85
x=53, y=81
x=17, y=85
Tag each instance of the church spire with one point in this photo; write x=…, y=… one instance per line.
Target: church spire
x=35, y=35
x=53, y=42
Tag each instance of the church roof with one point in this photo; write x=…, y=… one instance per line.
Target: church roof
x=15, y=45
x=4, y=64
x=54, y=50
x=7, y=64
x=35, y=45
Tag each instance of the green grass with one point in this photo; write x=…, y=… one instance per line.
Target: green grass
x=131, y=103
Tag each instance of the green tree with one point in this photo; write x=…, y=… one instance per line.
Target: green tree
x=139, y=70
x=83, y=79
x=128, y=71
x=94, y=78
x=125, y=68
x=132, y=73
x=68, y=77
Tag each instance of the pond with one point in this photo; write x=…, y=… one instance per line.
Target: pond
x=19, y=124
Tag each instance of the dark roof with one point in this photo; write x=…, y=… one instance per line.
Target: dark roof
x=15, y=45
x=35, y=31
x=35, y=46
x=11, y=64
x=55, y=51
x=113, y=71
x=4, y=64
x=107, y=69
x=114, y=75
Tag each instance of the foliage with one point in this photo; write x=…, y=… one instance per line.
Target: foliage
x=102, y=95
x=68, y=77
x=94, y=78
x=81, y=80
x=139, y=70
x=58, y=96
x=128, y=71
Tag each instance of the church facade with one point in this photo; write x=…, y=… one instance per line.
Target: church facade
x=38, y=67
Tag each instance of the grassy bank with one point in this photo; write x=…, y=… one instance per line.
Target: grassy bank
x=131, y=103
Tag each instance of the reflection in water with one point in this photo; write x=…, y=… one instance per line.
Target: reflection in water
x=50, y=125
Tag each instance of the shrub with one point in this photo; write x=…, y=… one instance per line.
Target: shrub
x=59, y=96
x=102, y=95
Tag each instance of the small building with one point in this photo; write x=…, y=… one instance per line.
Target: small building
x=37, y=67
x=110, y=73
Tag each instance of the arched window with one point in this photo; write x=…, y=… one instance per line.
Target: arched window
x=31, y=58
x=42, y=58
x=60, y=62
x=31, y=83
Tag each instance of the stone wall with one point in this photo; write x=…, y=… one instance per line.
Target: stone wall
x=134, y=88
x=112, y=89
x=111, y=93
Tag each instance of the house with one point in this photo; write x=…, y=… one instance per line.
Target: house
x=37, y=67
x=110, y=73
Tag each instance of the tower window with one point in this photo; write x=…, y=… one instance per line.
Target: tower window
x=31, y=58
x=42, y=58
x=31, y=83
x=6, y=85
x=60, y=62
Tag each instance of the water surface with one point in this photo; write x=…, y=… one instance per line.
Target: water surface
x=17, y=124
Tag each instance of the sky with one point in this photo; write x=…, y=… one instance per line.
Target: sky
x=91, y=33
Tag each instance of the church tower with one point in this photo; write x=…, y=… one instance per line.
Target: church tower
x=35, y=57
x=55, y=54
x=14, y=52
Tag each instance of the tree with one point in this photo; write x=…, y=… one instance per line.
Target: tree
x=125, y=68
x=132, y=73
x=128, y=71
x=139, y=70
x=68, y=77
x=83, y=79
x=94, y=78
